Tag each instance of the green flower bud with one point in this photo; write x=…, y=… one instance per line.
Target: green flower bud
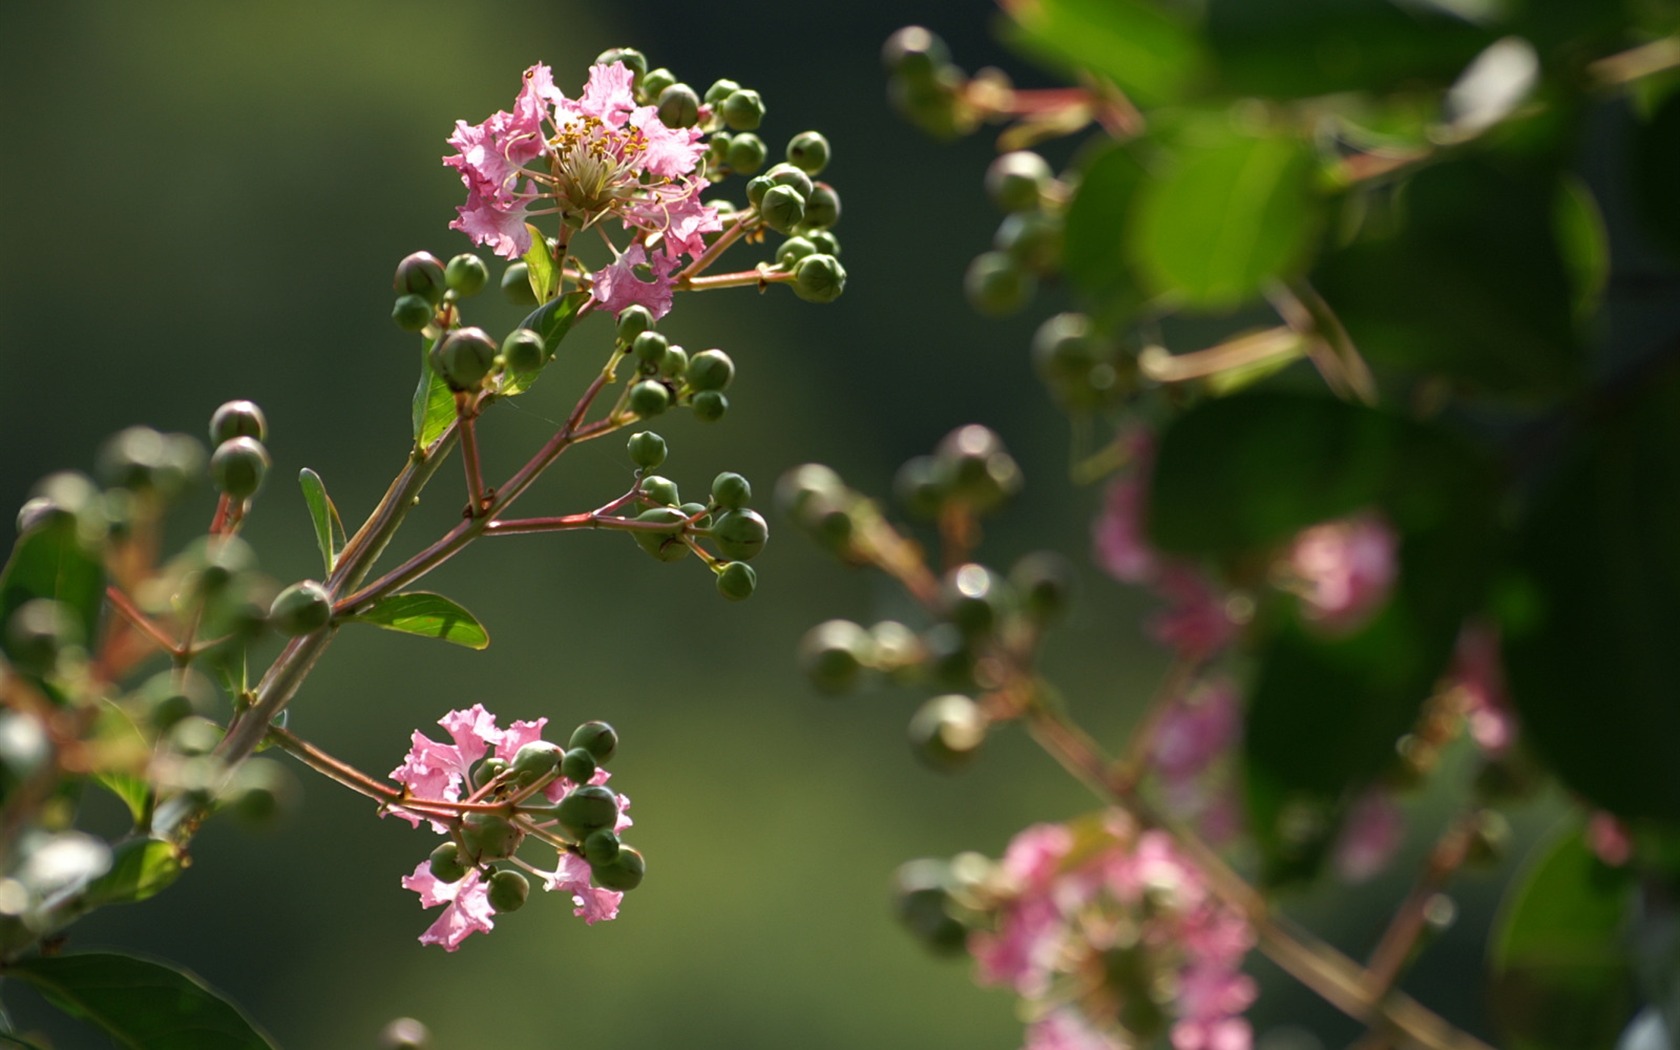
x=238, y=419
x=931, y=101
x=679, y=106
x=947, y=731
x=623, y=872
x=822, y=207
x=655, y=81
x=833, y=655
x=649, y=398
x=633, y=60
x=974, y=599
x=717, y=147
x=516, y=285
x=1016, y=181
x=746, y=154
x=742, y=110
x=578, y=765
x=710, y=370
x=696, y=512
x=819, y=279
x=808, y=151
x=597, y=738
x=523, y=351
x=446, y=863
x=737, y=581
x=976, y=467
x=466, y=274
x=647, y=449
x=213, y=563
x=489, y=836
x=920, y=487
x=664, y=545
x=792, y=250
x=601, y=847
x=731, y=491
x=1032, y=239
x=675, y=363
x=534, y=761
x=1064, y=348
x=798, y=486
x=950, y=656
x=824, y=242
x=791, y=177
x=489, y=769
x=132, y=458
x=913, y=52
x=923, y=904
x=238, y=467
x=650, y=348
x=633, y=320
x=464, y=357
x=587, y=809
x=507, y=890
x=194, y=736
x=300, y=609
x=709, y=406
x=38, y=632
x=183, y=462
x=782, y=208
x=420, y=274
x=167, y=697
x=830, y=524
x=720, y=90
x=895, y=650
x=661, y=490
x=412, y=313
x=757, y=187
x=259, y=792
x=740, y=534
x=1044, y=580
x=997, y=284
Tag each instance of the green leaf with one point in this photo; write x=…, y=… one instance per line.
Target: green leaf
x=545, y=277
x=1561, y=980
x=134, y=791
x=323, y=515
x=428, y=615
x=141, y=1004
x=54, y=561
x=552, y=320
x=1583, y=242
x=1225, y=219
x=1143, y=47
x=140, y=868
x=434, y=404
x=1593, y=668
x=1093, y=244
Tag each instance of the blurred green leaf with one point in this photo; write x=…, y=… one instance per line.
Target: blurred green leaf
x=434, y=404
x=1561, y=980
x=1655, y=156
x=552, y=320
x=1584, y=242
x=1225, y=219
x=544, y=276
x=134, y=791
x=140, y=868
x=1499, y=302
x=1094, y=243
x=141, y=1004
x=1145, y=48
x=323, y=515
x=428, y=615
x=53, y=561
x=1594, y=671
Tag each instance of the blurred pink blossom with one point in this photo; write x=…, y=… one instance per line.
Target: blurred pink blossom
x=1480, y=677
x=1609, y=840
x=1343, y=571
x=1371, y=834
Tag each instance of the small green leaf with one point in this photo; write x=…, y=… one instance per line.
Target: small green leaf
x=1583, y=242
x=434, y=405
x=428, y=615
x=1561, y=980
x=545, y=278
x=552, y=320
x=1226, y=219
x=141, y=1004
x=54, y=561
x=1093, y=244
x=134, y=791
x=140, y=868
x=1141, y=46
x=329, y=530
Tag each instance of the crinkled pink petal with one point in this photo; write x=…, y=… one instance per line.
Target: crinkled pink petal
x=1371, y=833
x=1196, y=730
x=517, y=736
x=609, y=94
x=1343, y=570
x=1197, y=622
x=1022, y=952
x=501, y=228
x=1117, y=537
x=1067, y=1029
x=524, y=137
x=616, y=286
x=671, y=152
x=686, y=221
x=468, y=910
x=1226, y=1033
x=593, y=904
x=1035, y=854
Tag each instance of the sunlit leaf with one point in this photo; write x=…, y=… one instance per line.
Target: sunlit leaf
x=552, y=320
x=1093, y=244
x=1584, y=242
x=1144, y=47
x=134, y=791
x=53, y=561
x=323, y=515
x=434, y=404
x=140, y=868
x=544, y=276
x=428, y=615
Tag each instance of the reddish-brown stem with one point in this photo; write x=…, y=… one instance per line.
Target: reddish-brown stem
x=141, y=622
x=1392, y=953
x=218, y=521
x=760, y=279
x=714, y=251
x=1141, y=743
x=466, y=415
x=1257, y=347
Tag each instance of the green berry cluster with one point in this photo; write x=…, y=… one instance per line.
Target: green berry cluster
x=669, y=528
x=666, y=376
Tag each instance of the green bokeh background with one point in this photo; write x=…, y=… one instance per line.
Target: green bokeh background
x=205, y=201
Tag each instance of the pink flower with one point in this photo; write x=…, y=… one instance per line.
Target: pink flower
x=1117, y=536
x=1197, y=622
x=437, y=771
x=468, y=903
x=1609, y=839
x=593, y=904
x=617, y=286
x=1343, y=571
x=1068, y=1030
x=1196, y=730
x=1480, y=678
x=1371, y=833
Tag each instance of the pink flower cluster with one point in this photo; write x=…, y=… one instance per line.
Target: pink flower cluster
x=438, y=772
x=1343, y=571
x=1194, y=733
x=586, y=159
x=1070, y=904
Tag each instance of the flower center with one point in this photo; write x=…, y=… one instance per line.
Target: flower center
x=595, y=166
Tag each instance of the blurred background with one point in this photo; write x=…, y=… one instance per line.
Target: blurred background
x=206, y=201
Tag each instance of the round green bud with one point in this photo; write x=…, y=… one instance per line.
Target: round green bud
x=516, y=285
x=464, y=357
x=489, y=769
x=597, y=738
x=1031, y=238
x=661, y=490
x=923, y=903
x=819, y=279
x=132, y=458
x=238, y=419
x=216, y=562
x=632, y=321
x=737, y=581
x=913, y=52
x=303, y=607
x=930, y=101
x=709, y=406
x=169, y=696
x=633, y=60
x=675, y=363
x=601, y=847
x=742, y=110
x=523, y=351
x=996, y=284
x=534, y=761
x=947, y=731
x=950, y=656
x=507, y=890
x=920, y=487
x=833, y=655
x=466, y=274
x=830, y=524
x=808, y=151
x=649, y=398
x=1016, y=181
x=822, y=207
x=740, y=534
x=976, y=468
x=446, y=863
x=405, y=1033
x=710, y=370
x=974, y=599
x=650, y=348
x=720, y=90
x=717, y=147
x=796, y=488
x=195, y=736
x=1064, y=348
x=578, y=765
x=679, y=106
x=623, y=872
x=587, y=809
x=782, y=208
x=238, y=467
x=655, y=81
x=1044, y=581
x=647, y=449
x=731, y=491
x=895, y=650
x=420, y=274
x=696, y=512
x=757, y=187
x=489, y=836
x=664, y=544
x=823, y=241
x=792, y=250
x=39, y=631
x=746, y=154
x=791, y=177
x=183, y=462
